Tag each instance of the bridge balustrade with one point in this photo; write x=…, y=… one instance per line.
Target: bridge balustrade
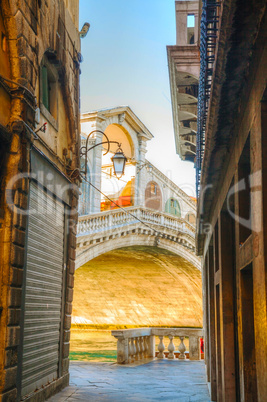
x=102, y=221
x=138, y=344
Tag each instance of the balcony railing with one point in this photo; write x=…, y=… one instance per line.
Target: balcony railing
x=138, y=344
x=209, y=31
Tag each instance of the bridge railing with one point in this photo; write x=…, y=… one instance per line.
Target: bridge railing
x=108, y=220
x=139, y=344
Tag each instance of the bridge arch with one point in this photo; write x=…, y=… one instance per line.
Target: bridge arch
x=119, y=133
x=114, y=242
x=129, y=282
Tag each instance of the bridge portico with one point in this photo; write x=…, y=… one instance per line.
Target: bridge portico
x=121, y=125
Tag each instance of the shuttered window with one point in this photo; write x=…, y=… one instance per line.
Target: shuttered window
x=43, y=294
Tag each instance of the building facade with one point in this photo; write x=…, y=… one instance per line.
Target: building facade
x=39, y=146
x=232, y=209
x=183, y=61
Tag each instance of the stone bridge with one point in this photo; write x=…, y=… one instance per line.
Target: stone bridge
x=134, y=226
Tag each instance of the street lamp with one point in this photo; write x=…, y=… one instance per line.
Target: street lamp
x=147, y=165
x=119, y=159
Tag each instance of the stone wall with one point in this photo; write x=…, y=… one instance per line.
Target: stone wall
x=233, y=204
x=32, y=29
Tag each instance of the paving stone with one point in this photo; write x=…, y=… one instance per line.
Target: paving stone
x=157, y=380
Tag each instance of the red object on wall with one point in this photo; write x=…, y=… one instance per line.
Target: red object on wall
x=202, y=345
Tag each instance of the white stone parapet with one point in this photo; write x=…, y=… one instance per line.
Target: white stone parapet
x=102, y=232
x=108, y=220
x=139, y=344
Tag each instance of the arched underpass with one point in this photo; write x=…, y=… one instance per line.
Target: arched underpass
x=138, y=286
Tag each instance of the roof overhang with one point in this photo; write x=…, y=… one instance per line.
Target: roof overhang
x=184, y=65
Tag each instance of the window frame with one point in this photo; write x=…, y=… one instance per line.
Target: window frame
x=50, y=113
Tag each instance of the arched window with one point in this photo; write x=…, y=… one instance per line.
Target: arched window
x=173, y=207
x=153, y=197
x=84, y=199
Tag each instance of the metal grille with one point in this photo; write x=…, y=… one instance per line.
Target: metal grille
x=208, y=40
x=43, y=297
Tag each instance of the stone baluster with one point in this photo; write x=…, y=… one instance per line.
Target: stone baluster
x=137, y=357
x=171, y=347
x=111, y=221
x=146, y=346
x=134, y=348
x=182, y=349
x=161, y=347
x=142, y=347
x=108, y=221
x=131, y=351
x=143, y=215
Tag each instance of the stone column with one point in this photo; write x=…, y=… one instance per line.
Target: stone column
x=194, y=348
x=122, y=350
x=96, y=174
x=151, y=346
x=141, y=176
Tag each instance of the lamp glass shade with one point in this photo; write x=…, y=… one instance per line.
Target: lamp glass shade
x=119, y=160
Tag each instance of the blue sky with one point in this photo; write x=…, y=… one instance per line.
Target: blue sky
x=125, y=63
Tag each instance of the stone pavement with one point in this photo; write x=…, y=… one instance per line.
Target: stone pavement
x=159, y=380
